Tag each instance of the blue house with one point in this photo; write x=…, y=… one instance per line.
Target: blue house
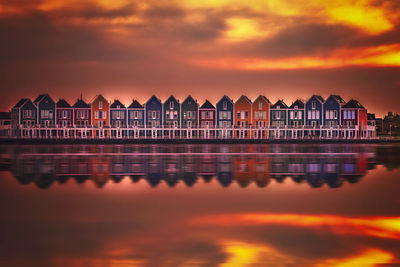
x=331, y=110
x=225, y=112
x=189, y=111
x=296, y=114
x=154, y=112
x=136, y=114
x=279, y=114
x=118, y=115
x=314, y=110
x=46, y=110
x=172, y=112
x=23, y=114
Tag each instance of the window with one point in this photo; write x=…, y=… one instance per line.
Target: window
x=260, y=105
x=225, y=105
x=96, y=114
x=104, y=114
x=171, y=105
x=238, y=115
x=313, y=104
x=353, y=115
x=291, y=115
x=246, y=114
x=100, y=105
x=317, y=115
x=327, y=115
x=309, y=114
x=335, y=114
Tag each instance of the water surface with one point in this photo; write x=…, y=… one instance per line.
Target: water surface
x=199, y=205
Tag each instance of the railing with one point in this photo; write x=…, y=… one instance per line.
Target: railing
x=269, y=132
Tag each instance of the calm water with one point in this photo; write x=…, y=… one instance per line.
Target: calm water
x=199, y=205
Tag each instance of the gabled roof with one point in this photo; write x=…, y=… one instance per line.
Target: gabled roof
x=279, y=104
x=39, y=98
x=116, y=104
x=320, y=98
x=80, y=104
x=298, y=103
x=245, y=98
x=135, y=104
x=227, y=97
x=264, y=98
x=353, y=104
x=21, y=102
x=5, y=115
x=189, y=98
x=207, y=105
x=153, y=97
x=97, y=96
x=171, y=98
x=339, y=99
x=62, y=104
x=371, y=116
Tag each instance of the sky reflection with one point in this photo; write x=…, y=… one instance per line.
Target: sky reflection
x=129, y=223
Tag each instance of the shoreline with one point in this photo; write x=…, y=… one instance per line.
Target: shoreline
x=12, y=141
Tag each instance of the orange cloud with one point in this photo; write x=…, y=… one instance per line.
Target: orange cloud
x=382, y=227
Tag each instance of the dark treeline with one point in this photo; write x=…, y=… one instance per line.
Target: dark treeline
x=389, y=125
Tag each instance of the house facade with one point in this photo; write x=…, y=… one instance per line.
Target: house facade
x=279, y=114
x=100, y=112
x=172, y=110
x=64, y=114
x=260, y=112
x=46, y=110
x=332, y=109
x=154, y=109
x=136, y=114
x=225, y=112
x=296, y=114
x=118, y=116
x=314, y=110
x=189, y=113
x=24, y=114
x=82, y=114
x=243, y=114
x=355, y=115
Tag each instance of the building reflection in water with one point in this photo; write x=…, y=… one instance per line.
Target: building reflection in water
x=316, y=165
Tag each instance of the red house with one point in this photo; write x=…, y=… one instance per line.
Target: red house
x=355, y=115
x=207, y=113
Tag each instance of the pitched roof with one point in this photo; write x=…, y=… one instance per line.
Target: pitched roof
x=5, y=115
x=116, y=104
x=153, y=97
x=227, y=97
x=189, y=98
x=371, y=116
x=80, y=104
x=207, y=105
x=172, y=98
x=298, y=103
x=97, y=96
x=339, y=99
x=320, y=98
x=39, y=98
x=280, y=104
x=263, y=97
x=245, y=97
x=135, y=104
x=62, y=104
x=353, y=104
x=21, y=102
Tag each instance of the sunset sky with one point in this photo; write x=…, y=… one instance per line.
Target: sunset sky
x=132, y=49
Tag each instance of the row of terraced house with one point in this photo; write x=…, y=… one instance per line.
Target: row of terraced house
x=244, y=118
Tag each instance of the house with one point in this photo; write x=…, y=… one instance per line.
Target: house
x=100, y=115
x=207, y=119
x=314, y=110
x=136, y=114
x=82, y=114
x=118, y=116
x=172, y=110
x=46, y=109
x=5, y=118
x=243, y=115
x=332, y=108
x=24, y=114
x=189, y=115
x=260, y=116
x=207, y=115
x=225, y=112
x=354, y=115
x=279, y=114
x=296, y=114
x=371, y=122
x=154, y=119
x=64, y=114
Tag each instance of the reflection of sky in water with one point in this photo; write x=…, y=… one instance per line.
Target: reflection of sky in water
x=318, y=206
